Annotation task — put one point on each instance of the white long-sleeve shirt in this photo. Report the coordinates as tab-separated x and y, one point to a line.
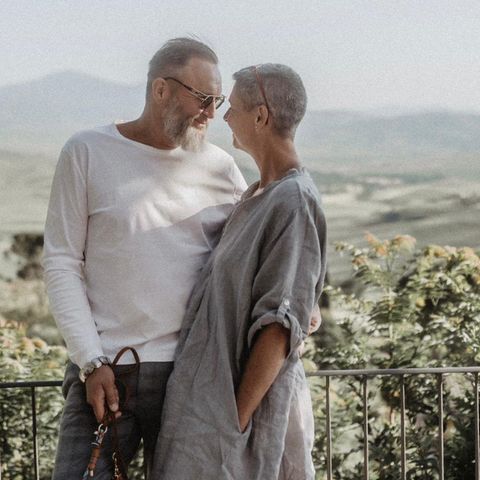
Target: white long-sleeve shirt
128	229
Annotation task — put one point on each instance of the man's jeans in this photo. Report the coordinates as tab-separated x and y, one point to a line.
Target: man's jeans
140	420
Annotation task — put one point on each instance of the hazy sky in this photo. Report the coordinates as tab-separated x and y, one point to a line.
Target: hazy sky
350	53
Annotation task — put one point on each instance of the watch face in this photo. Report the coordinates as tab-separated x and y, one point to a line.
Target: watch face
91	366
96	363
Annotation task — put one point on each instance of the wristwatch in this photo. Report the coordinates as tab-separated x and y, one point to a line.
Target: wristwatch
93	364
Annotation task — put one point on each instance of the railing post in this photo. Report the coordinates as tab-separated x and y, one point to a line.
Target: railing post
34	433
440	426
403	441
329	430
477	443
365	428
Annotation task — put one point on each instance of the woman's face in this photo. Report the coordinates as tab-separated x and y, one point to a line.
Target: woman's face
240	121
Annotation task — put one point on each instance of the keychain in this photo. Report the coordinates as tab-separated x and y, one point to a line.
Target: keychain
96	447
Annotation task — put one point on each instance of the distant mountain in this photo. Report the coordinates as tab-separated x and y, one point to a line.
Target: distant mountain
38	116
357	135
43	113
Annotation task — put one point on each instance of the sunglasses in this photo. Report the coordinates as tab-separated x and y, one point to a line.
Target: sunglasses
206	100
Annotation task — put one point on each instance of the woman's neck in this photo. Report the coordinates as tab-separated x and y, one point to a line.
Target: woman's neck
275	159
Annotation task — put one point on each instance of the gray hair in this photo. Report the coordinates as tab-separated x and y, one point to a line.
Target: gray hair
284	92
175	54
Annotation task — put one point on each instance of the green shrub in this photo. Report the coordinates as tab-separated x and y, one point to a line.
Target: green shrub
419	309
22	359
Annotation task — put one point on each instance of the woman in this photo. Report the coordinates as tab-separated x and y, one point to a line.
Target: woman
237	404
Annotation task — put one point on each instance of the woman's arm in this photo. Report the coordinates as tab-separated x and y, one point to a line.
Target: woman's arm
263	365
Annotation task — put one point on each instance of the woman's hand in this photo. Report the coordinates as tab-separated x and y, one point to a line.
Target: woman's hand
243	422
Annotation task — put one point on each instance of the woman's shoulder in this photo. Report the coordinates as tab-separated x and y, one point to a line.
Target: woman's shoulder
296	191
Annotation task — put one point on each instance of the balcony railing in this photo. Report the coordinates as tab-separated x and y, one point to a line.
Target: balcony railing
402	373
439	373
32	386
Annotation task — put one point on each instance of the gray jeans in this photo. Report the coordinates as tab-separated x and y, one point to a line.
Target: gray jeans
140	420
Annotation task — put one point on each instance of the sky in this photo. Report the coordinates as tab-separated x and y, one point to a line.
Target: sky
351	54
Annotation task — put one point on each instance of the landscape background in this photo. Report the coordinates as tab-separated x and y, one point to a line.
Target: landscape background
392	140
386	171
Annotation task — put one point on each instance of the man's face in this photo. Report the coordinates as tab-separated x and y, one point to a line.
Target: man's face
186	121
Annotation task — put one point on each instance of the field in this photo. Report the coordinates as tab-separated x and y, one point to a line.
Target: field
439	205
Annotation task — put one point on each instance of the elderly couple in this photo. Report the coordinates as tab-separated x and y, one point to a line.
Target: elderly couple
153	241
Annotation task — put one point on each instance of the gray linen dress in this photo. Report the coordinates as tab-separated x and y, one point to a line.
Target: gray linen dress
268	267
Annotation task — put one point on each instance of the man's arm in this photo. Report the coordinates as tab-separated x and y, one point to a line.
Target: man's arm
63	262
263	365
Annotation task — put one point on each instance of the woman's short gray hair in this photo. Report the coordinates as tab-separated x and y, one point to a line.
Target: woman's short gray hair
175	54
284	92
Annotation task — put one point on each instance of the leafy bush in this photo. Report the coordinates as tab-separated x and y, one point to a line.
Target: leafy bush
21	359
416	309
419	309
26	302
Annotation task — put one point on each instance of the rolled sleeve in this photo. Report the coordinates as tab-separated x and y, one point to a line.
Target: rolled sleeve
290	274
284	318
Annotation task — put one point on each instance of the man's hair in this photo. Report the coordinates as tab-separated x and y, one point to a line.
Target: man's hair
175	54
284	92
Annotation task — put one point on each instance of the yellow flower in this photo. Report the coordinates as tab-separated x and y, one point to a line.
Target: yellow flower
437	251
450	250
371	239
27	345
468	252
381	250
404	242
360	260
39	343
470	256
420	302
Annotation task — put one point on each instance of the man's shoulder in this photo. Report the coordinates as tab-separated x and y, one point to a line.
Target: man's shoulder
87	137
216	160
219	163
217	152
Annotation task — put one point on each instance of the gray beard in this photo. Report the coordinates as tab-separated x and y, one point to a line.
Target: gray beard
181	131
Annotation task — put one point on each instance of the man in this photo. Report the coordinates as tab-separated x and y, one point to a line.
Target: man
134	213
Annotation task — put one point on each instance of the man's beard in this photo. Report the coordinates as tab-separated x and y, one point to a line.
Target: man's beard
180	129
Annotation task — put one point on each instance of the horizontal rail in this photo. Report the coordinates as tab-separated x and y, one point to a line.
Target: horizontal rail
319	373
327	374
32	384
439	372
393	371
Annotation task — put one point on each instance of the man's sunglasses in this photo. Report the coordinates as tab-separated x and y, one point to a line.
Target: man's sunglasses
206	100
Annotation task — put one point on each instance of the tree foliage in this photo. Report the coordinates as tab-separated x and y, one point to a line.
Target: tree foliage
419	308
23	358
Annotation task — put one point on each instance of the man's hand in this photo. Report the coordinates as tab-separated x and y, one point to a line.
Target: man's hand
101	389
315	322
315	319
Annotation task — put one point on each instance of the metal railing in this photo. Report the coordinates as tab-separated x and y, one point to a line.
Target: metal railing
32	386
402	372
328	374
